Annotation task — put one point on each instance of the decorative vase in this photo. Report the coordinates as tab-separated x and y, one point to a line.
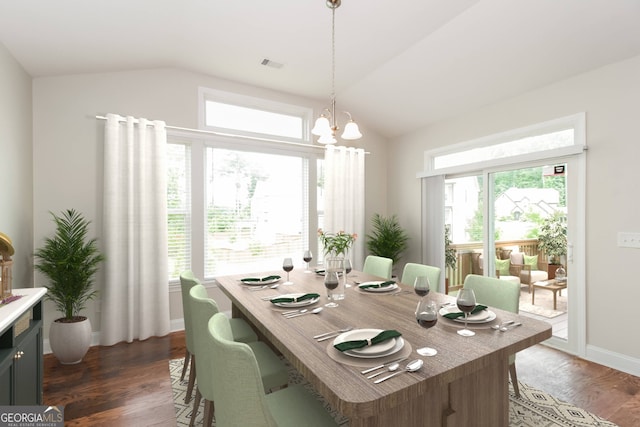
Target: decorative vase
70	341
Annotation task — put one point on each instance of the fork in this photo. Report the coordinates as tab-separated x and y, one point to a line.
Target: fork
328	335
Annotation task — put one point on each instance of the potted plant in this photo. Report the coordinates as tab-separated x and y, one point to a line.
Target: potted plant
552	239
388	238
450	255
70	262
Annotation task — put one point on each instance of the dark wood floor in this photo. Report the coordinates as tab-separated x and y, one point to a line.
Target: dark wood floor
128	384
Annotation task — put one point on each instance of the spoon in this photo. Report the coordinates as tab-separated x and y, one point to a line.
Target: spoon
391	368
411	367
303	312
501	325
506	328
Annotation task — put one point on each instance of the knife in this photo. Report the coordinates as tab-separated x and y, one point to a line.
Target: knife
366	371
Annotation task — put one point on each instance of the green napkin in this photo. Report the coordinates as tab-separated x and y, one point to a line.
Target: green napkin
298	299
381	337
259	279
378	285
479	307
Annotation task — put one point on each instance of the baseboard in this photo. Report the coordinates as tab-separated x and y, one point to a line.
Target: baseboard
613	360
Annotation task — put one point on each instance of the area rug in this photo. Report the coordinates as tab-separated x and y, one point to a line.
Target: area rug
539	310
534	408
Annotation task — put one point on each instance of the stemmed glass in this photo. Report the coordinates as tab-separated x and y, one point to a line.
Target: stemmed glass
307	257
331	282
427	317
421	286
466	302
287	265
347	270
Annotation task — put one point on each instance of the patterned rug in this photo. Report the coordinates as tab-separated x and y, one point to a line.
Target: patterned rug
539	310
534	408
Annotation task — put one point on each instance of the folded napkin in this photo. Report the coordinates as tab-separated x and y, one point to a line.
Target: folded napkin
298	299
478	308
381	337
259	279
378	285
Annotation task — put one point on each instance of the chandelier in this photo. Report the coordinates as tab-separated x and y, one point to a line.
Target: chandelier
326	126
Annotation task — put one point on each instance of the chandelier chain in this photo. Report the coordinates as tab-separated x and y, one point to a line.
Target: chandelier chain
333	52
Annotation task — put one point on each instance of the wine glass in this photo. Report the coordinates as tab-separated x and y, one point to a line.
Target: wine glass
421	286
307	257
347	270
333	268
331	282
466	302
287	265
427	317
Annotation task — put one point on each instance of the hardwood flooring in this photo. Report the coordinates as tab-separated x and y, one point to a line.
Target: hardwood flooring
128	384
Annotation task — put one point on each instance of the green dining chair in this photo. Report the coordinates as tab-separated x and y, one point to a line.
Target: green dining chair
241	329
272	369
500	294
239	395
378	266
412	270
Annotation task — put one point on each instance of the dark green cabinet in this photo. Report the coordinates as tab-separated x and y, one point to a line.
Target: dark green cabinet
21	362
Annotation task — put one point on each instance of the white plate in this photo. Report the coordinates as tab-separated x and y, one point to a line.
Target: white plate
260	282
383	289
483	316
295	304
364	334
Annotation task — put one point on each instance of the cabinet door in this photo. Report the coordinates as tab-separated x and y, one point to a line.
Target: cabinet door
6	377
28	369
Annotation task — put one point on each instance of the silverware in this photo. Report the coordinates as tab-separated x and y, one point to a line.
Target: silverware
338	331
286	313
260	288
366	371
412	366
506	328
335	335
496	327
269	298
302	313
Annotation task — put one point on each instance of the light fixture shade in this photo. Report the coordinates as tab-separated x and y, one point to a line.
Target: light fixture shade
351	131
321	127
327	139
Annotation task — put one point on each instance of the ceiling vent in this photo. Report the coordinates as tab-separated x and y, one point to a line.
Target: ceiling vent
269	63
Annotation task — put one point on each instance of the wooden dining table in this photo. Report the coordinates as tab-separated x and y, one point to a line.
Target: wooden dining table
464	384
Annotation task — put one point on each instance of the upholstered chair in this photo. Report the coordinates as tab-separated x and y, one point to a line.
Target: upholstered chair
234	376
378	266
273	371
412	270
500	294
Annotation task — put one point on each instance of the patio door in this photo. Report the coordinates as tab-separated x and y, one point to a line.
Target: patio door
499	212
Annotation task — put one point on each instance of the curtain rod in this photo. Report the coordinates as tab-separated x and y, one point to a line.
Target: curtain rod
210	132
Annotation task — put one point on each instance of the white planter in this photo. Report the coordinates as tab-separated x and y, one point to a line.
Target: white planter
70	341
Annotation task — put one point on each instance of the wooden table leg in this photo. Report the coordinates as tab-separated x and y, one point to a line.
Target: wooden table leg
555	293
533	295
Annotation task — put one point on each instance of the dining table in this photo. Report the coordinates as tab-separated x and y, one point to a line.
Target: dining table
464	384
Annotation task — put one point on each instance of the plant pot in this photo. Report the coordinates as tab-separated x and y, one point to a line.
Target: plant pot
70	341
551	270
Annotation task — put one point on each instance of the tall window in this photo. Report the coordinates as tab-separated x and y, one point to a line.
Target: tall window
242	199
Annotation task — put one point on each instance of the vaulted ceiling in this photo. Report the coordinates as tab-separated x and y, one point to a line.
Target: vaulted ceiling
400	65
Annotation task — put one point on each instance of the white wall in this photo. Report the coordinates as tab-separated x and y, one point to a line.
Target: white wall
610	98
68	142
16	184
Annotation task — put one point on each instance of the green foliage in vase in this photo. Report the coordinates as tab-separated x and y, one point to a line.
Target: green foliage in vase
70	262
336	244
552	238
450	258
388	239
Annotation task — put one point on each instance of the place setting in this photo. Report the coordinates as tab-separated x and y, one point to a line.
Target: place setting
466	311
360	347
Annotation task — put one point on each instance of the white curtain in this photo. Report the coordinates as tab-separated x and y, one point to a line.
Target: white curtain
344	196
135	298
433	224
